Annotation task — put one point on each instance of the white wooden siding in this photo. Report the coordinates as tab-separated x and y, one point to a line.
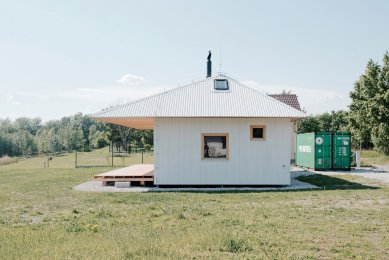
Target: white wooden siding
252	162
293	137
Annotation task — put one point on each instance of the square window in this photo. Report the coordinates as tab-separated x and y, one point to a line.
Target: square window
214	146
257	132
221	84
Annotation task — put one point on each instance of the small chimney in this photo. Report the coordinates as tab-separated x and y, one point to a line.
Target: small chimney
209	65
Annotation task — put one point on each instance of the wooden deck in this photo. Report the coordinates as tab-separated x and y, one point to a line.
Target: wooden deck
139	173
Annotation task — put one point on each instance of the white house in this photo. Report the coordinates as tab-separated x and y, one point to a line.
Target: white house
215	131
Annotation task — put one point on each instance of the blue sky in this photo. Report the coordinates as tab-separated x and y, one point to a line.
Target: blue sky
61	57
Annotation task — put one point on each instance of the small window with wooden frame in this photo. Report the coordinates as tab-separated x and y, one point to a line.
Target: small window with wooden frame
258	132
215	146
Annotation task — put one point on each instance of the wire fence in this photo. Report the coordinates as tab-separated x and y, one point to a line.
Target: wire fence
103	157
111	158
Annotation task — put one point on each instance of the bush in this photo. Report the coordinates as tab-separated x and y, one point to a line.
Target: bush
87	149
5	159
235	246
147	147
74	227
103	214
101	142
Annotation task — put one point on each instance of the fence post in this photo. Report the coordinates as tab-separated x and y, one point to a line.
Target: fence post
112	152
358	158
75	161
142	156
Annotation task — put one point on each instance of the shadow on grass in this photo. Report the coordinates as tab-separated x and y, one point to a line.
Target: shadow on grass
333	183
323	182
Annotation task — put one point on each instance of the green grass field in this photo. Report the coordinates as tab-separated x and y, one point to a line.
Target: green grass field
42	217
374	158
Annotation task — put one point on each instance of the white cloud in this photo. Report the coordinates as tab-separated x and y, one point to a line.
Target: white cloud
115	92
314	101
110	93
41	96
130	79
11	99
93	99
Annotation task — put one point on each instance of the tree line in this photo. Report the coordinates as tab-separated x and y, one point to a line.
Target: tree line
368	115
30	136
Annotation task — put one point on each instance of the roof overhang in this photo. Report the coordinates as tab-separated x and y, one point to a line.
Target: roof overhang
148	122
133	122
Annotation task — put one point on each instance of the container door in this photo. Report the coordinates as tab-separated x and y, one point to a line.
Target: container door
342	151
305	150
323	151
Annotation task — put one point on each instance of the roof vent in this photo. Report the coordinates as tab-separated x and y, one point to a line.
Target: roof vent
209	65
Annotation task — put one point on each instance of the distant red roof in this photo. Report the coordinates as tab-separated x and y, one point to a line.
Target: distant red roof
289	99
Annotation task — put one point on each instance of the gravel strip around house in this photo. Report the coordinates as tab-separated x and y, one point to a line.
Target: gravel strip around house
96	186
384	168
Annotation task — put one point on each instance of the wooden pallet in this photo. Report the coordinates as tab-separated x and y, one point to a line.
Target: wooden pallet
141	173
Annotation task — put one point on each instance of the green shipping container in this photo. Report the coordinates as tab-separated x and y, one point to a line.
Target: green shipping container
323	151
314	150
341	159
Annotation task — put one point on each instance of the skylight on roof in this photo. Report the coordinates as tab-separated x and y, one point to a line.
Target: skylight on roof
221	84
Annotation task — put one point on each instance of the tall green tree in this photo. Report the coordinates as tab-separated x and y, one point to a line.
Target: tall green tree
339	121
362	105
72	136
380	110
41	141
308	125
97	138
369	109
148	137
333	122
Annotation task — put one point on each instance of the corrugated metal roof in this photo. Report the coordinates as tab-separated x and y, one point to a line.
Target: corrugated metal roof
289	99
199	99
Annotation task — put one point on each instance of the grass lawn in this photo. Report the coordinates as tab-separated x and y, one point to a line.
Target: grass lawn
41	216
374	158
